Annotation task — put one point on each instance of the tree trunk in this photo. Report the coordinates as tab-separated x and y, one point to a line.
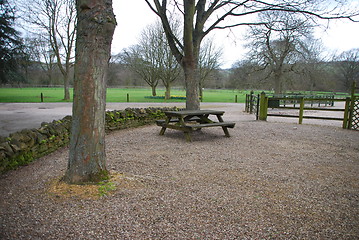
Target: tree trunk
190	58
278	82
168	91
96	25
192	96
67	86
154	90
200	91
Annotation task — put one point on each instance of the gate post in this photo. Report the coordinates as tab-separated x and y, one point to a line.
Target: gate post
301	110
263	107
251	102
346	113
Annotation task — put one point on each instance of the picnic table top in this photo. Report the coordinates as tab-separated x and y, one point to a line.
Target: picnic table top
193	112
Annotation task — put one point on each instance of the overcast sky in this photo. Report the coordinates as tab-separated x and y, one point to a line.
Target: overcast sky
133	16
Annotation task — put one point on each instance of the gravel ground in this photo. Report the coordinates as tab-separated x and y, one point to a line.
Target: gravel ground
269	180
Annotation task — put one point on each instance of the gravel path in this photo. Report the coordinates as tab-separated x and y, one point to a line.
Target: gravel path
270	180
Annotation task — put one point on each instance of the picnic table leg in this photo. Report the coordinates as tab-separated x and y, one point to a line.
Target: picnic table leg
163	129
188	136
226	132
185	131
225	129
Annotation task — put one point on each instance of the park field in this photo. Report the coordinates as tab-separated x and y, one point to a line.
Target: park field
33	95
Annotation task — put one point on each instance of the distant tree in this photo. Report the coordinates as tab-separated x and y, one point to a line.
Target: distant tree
11	47
348	67
54	20
278	43
144	64
169	69
119	74
309	69
87	157
247	74
41	54
152	59
209	61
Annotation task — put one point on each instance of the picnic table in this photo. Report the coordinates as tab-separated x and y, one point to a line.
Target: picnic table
189	120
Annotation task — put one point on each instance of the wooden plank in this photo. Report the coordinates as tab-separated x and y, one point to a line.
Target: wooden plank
282	115
193	112
218	124
324	118
161	122
319	109
308	117
175	120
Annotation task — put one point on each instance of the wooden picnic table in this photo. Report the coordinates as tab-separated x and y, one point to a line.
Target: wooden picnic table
189	120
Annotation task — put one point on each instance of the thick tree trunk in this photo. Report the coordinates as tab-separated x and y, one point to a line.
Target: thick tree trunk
190	58
192	86
96	25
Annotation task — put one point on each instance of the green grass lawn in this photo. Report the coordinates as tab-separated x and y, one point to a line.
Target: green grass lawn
29	95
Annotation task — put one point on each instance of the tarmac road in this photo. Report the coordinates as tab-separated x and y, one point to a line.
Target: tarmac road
17	116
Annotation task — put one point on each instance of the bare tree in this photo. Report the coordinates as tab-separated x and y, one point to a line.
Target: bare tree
152	59
169	69
41	53
208	62
310	70
87	158
142	61
348	67
56	21
278	44
200	17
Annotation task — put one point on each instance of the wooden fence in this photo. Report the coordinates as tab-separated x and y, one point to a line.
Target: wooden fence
259	104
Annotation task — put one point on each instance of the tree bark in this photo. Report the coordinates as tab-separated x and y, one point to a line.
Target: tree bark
168	91
96	25
192	86
67	86
190	58
153	87
278	81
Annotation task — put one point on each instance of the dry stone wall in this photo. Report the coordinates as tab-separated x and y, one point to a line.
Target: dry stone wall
22	147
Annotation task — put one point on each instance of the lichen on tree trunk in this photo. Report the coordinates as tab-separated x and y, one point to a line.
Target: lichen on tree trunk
96	25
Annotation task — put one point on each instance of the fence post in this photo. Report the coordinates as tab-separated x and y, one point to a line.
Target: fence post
246	104
257	107
42	97
263	105
128	97
346	113
301	110
251	103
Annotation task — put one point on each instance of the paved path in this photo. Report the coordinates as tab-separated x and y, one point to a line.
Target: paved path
18	116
